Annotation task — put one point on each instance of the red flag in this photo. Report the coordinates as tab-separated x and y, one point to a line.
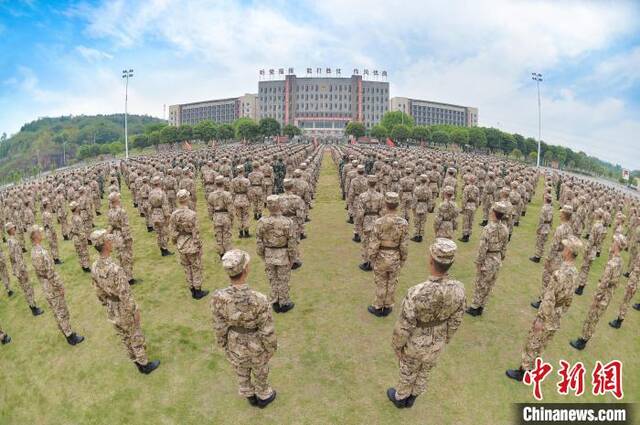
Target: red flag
187	146
353	140
390	143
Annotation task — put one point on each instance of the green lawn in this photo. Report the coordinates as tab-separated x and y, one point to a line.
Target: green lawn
334	360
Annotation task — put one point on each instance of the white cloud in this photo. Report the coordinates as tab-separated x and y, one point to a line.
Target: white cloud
92	55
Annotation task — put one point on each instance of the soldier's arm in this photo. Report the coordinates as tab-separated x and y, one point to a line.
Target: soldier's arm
291	242
359	211
482	249
266	330
172	230
102	296
220	326
548	301
455	321
405	324
259	241
404	243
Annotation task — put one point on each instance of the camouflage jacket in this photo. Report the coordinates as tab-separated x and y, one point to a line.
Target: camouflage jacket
557	296
113	289
563	231
220	207
45	268
493	242
546	219
369	206
276	243
184	231
390	234
119	223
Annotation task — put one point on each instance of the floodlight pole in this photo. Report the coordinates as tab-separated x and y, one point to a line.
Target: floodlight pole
537	77
126	75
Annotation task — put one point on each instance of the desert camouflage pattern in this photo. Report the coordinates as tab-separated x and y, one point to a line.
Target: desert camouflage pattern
276	245
220	209
186	237
20	269
446	220
545	222
78	234
596	238
119	228
470	199
369	207
602	296
491	252
51	286
160	213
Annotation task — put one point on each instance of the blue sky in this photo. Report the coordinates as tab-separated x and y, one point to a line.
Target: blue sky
66	58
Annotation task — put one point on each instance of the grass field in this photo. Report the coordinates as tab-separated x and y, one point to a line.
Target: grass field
334	360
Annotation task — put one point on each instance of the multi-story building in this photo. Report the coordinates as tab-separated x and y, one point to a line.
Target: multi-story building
426	112
323	106
218	111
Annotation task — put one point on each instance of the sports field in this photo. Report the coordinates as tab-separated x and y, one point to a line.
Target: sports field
334	360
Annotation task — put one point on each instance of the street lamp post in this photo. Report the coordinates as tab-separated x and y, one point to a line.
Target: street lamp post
537	77
126	75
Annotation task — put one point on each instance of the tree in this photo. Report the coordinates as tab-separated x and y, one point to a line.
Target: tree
493	136
269	127
477	138
440	137
421	133
226	132
379	132
520	143
169	134
205	130
531	145
400	133
247	129
291	131
533	157
185	133
460	136
516	154
140	141
355	129
392	118
507	142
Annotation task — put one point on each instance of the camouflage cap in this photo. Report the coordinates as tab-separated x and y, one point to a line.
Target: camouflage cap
273	202
359	168
288	183
239	168
297	172
599	212
73	205
182	195
219	180
620	240
443	250
451	170
567	209
391	198
35	229
500	207
9	225
424	178
99	236
45	201
113	196
448	190
155	180
573	243
372	179
235	261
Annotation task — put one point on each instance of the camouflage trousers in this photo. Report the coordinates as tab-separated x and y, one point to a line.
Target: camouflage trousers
253	379
633	256
534	346
2	334
256	199
601	300
431	203
87	221
172	201
583	276
366	250
58	307
23	279
242	213
145	210
132	337
419	221
445	230
279	277
267	189
162	233
551	264
4	275
467	221
630	291
52	237
80	244
386	269
192	265
64	225
486	207
486	276
406	204
124	251
541	239
223	238
414	373
97	201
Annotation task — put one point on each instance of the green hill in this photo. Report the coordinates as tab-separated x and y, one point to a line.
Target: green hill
49	143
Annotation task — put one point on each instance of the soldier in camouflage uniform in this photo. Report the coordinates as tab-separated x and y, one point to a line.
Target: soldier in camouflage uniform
160	212
122	240
244	329
276	245
114	292
630	291
407	185
4	273
20	268
220	208
554	258
544	227
51	285
597	234
293	208
489	195
603	294
470	198
491	253
256	197
446	219
50	230
239	188
556	300
429	317
421	202
357	187
186	237
79	236
170	185
279	172
634	245
61	212
368	209
388	250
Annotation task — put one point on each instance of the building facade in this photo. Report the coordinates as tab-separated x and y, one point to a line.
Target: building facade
322	106
221	111
426	112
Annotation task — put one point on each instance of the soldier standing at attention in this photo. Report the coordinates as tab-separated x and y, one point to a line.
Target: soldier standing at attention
451	181
544	227
186	237
597	234
122	239
488	197
630	291
554	258
221	212
160	212
421	201
368	209
239	188
51	285
20	269
50	230
407	185
606	287
79	236
170	184
293	208
4	337
276	245
491	253
255	191
4	274
244	329
470	197
429	316
279	172
61	212
114	293
389	250
446	220
556	300
357	187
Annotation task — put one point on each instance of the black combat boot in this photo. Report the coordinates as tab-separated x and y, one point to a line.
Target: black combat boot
276	307
98	213
86	269
417	238
484	223
135	205
36	311
579	290
356	238
535	304
303	236
74	339
524	213
391	395
509	237
10	293
197	294
89	242
246	233
350	221
617	323
57	261
241	234
65	237
366	267
134	281
626	274
378	312
24	250
410	400
165	252
578	344
598	254
286	307
296	265
464	238
517	374
5	339
586	236
253	400
636	306
475	311
149	367
264	403
149	229
386	311
535	259
517	224
307	220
